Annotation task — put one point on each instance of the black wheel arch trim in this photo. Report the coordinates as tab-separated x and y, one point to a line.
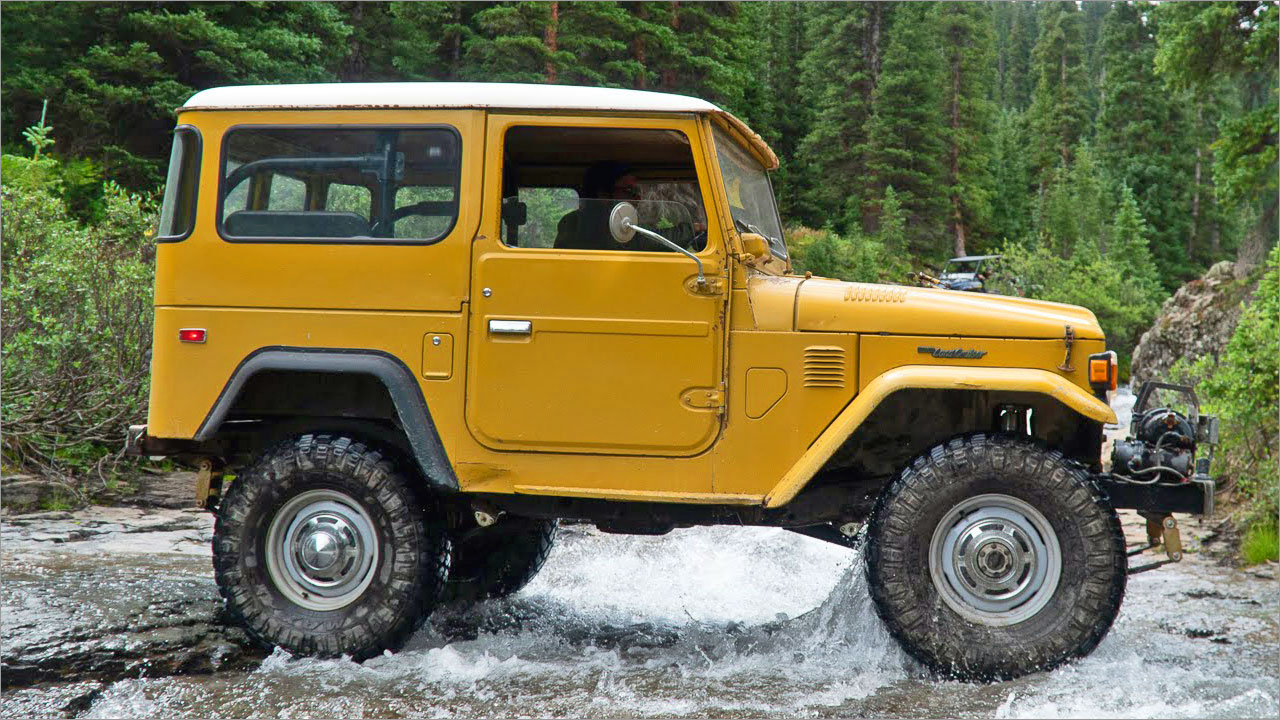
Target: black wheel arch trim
406	395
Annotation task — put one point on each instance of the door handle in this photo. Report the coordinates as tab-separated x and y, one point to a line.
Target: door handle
510	327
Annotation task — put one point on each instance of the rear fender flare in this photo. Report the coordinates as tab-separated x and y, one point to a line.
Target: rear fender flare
399	381
937	377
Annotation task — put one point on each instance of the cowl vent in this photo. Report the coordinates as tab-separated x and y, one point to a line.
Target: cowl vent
824	366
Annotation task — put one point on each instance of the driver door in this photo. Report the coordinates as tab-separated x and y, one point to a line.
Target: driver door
602	351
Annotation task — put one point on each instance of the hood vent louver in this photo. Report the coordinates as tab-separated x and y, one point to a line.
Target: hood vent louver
824	366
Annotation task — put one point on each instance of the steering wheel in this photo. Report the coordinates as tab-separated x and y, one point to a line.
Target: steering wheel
420	208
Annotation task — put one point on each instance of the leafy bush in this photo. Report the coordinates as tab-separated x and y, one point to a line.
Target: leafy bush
1241	387
77	321
854	257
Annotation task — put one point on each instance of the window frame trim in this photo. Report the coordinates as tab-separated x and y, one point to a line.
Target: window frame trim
195	202
277	240
584	124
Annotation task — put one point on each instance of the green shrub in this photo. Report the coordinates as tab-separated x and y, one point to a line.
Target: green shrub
854	257
77	303
1241	387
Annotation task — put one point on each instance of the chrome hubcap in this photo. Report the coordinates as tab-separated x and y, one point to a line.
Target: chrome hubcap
995	559
321	550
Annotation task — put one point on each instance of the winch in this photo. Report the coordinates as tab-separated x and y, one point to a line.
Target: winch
1162	443
1160	454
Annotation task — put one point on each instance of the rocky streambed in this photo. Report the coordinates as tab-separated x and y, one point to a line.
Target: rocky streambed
112	612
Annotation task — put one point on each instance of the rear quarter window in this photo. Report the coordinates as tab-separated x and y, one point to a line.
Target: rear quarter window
339	184
178	209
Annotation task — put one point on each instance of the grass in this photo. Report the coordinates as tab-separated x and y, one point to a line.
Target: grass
58	500
1261	543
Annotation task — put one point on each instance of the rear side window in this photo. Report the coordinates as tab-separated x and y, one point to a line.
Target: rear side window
178	211
339	184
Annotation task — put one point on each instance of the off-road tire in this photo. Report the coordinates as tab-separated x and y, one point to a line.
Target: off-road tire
404	583
1074	618
497	561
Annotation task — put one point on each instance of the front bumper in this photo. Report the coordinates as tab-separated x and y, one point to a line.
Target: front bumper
1194	497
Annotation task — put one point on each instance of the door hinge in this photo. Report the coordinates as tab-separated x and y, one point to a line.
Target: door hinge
703	399
713	285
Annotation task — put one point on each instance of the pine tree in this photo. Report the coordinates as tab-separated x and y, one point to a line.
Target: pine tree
510	44
838	77
591	45
1204	43
967	49
1016	29
893	230
1058	112
905	133
1011	203
1145	135
1088	196
1129	246
781	116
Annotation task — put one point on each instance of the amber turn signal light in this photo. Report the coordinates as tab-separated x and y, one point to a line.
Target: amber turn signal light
1102	370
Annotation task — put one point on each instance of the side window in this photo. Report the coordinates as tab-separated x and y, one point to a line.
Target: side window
361	184
560	184
178	210
348	198
543	209
425	210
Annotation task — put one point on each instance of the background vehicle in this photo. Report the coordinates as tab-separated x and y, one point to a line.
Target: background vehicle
422	322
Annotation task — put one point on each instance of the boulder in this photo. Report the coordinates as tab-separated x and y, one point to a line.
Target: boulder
1197	321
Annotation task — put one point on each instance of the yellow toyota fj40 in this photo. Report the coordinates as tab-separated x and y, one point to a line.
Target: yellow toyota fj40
401	329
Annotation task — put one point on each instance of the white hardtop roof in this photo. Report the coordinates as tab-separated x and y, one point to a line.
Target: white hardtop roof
443	95
420	95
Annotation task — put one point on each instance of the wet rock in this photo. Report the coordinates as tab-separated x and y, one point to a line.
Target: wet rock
110	593
67	700
1195	322
166	490
27	493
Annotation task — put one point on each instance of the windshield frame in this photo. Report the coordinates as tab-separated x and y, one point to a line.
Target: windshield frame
723	140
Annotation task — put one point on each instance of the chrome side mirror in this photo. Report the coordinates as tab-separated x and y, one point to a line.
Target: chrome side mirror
623	227
622	221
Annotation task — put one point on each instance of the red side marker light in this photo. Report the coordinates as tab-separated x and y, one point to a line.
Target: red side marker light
192	335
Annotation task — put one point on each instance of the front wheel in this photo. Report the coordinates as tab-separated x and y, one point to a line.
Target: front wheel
322	548
990	557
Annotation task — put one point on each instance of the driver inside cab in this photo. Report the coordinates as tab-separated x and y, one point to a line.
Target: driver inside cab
587	228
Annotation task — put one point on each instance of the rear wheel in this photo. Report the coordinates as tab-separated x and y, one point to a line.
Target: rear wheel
990	557
321	548
497	561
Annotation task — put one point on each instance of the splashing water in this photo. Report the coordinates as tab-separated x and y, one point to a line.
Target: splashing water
740	622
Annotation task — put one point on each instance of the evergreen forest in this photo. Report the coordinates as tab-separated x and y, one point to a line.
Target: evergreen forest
1112	151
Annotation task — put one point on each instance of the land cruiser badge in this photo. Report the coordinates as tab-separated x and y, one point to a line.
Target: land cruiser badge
958	353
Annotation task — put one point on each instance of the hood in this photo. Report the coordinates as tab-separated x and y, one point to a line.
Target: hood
824	305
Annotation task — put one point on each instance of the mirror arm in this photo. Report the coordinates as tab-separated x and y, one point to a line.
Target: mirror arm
626	223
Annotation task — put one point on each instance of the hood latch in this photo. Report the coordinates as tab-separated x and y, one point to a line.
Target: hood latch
1069	339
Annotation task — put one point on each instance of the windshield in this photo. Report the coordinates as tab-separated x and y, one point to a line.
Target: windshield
750	194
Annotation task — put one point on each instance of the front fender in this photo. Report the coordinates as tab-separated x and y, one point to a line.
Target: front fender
936	377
